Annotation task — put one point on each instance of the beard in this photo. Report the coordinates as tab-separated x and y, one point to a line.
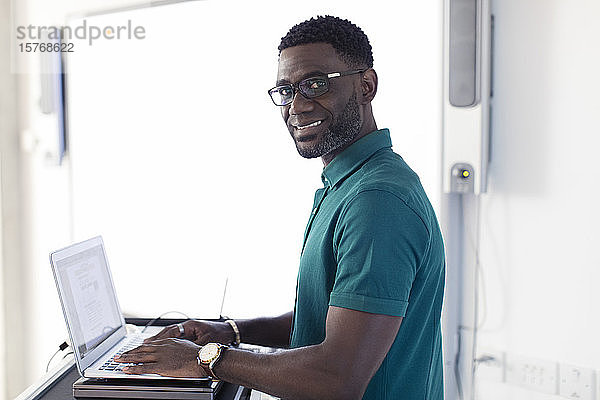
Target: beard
342	131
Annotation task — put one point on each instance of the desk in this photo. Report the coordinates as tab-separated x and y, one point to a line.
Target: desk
57	384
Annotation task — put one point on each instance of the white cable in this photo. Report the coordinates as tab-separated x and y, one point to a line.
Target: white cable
476	292
162	315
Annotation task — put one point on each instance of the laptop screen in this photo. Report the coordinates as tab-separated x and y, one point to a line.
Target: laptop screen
89	298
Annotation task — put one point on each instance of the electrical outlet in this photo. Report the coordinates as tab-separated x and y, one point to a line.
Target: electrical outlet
490	364
533	374
577	383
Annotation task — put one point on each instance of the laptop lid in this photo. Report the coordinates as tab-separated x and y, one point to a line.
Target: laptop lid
88	298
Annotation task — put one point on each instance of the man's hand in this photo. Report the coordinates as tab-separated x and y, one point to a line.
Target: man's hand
167	357
199	332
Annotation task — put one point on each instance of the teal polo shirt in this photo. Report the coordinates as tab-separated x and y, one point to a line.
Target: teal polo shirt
373	244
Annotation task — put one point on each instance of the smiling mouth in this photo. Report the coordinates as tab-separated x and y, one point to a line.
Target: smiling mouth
300	127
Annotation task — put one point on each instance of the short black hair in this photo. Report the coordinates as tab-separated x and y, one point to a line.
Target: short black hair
349	41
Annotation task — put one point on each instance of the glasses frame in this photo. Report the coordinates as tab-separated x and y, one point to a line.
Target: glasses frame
296	86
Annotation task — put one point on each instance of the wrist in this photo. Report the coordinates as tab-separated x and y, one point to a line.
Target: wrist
236	332
233	331
220	365
209	356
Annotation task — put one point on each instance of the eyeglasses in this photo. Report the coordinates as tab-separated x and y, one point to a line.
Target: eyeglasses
315	86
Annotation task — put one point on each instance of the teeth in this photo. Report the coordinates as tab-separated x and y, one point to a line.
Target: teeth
309	125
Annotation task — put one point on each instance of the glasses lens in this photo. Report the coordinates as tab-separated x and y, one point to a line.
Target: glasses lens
282	95
313	87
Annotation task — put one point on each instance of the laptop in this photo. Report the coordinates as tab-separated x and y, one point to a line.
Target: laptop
94	320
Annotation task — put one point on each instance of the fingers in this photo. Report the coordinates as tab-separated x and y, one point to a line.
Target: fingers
167	357
136	358
145	348
140	369
171	331
141	353
137	354
151	338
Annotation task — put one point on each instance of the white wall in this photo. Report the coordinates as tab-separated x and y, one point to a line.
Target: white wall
4	17
540	218
9	208
35	203
408	103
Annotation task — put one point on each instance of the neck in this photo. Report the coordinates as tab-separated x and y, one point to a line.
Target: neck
368	127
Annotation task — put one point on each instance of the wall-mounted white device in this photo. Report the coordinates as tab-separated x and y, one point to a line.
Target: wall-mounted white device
467	92
49	133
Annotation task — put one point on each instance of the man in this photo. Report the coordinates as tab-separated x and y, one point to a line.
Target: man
366	322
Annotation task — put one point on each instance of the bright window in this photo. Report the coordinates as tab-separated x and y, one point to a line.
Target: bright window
180	160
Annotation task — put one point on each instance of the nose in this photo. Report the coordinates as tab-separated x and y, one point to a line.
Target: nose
301	104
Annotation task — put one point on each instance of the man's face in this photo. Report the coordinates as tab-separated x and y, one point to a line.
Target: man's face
326	123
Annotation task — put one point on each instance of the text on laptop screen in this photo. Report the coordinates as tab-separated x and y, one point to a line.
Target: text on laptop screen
89	298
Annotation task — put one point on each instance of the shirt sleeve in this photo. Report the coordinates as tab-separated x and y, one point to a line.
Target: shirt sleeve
379	242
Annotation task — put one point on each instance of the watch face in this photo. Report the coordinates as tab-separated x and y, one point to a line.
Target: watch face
208	352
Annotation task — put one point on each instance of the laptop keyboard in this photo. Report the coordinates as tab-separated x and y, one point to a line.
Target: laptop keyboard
111	365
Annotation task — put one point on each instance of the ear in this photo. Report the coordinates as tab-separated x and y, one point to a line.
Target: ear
369	85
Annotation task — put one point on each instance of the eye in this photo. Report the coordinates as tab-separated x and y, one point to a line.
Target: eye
316	84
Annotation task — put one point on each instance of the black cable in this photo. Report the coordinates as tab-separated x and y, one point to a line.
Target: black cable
61	347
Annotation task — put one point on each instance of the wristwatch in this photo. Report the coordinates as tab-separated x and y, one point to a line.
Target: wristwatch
209	355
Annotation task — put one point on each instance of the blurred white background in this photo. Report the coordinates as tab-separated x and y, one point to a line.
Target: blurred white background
180	160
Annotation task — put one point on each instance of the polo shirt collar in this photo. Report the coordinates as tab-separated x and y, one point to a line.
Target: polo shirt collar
355	155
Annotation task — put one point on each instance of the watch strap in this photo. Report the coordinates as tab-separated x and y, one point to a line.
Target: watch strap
207	370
